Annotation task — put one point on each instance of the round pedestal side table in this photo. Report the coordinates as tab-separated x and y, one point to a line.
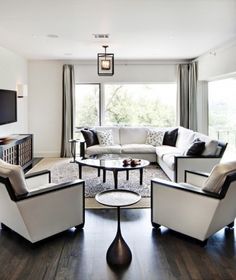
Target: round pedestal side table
119	253
73	143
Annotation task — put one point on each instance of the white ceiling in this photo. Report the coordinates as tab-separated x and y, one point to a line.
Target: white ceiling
139	29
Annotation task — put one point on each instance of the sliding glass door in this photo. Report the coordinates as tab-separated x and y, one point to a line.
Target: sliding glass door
222	111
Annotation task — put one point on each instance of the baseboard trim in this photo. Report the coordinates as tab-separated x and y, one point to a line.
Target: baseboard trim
47	154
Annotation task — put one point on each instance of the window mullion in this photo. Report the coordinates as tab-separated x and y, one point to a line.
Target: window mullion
102	104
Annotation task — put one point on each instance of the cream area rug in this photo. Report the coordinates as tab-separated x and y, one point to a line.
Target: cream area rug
62	170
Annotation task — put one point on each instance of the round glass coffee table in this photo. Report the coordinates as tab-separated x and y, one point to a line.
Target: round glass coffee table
119	253
114	165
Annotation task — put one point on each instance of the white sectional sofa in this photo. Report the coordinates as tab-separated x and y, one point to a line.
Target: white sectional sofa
132	142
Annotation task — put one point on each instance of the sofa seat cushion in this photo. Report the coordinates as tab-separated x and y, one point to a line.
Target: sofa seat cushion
164	150
169	160
133	135
138	149
98	149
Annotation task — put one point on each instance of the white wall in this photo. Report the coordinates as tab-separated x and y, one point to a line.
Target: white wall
45	100
128	73
45	106
13	71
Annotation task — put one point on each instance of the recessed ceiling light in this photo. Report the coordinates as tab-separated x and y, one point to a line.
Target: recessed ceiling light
54	36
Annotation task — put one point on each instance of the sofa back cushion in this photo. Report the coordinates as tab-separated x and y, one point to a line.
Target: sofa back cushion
133	135
115	132
185	138
15	175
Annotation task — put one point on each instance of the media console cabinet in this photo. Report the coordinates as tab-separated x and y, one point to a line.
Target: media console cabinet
18	149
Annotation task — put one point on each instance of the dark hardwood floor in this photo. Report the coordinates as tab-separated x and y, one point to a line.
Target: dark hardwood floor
81	255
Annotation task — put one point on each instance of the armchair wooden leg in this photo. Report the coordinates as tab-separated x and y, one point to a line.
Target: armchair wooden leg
231	225
4	227
203	243
155	225
79	227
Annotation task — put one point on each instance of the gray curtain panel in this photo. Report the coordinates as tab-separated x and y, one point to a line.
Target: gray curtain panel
193	77
187	95
68	111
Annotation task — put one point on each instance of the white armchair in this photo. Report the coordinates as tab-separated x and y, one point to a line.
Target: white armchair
201	206
44	209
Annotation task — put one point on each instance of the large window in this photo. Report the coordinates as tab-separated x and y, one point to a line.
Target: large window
140	104
126	104
222	113
87	100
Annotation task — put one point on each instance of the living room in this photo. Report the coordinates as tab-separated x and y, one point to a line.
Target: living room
34	46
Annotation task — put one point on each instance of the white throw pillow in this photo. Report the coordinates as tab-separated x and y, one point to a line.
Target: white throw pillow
218	175
155	137
105	138
15	175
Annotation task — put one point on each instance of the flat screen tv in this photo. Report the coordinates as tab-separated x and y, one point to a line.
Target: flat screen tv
8	106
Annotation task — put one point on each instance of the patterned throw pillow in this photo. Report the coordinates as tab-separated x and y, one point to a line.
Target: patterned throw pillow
155	137
105	138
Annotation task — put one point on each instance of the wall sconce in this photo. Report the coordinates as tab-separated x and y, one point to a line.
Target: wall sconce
22	90
105	63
